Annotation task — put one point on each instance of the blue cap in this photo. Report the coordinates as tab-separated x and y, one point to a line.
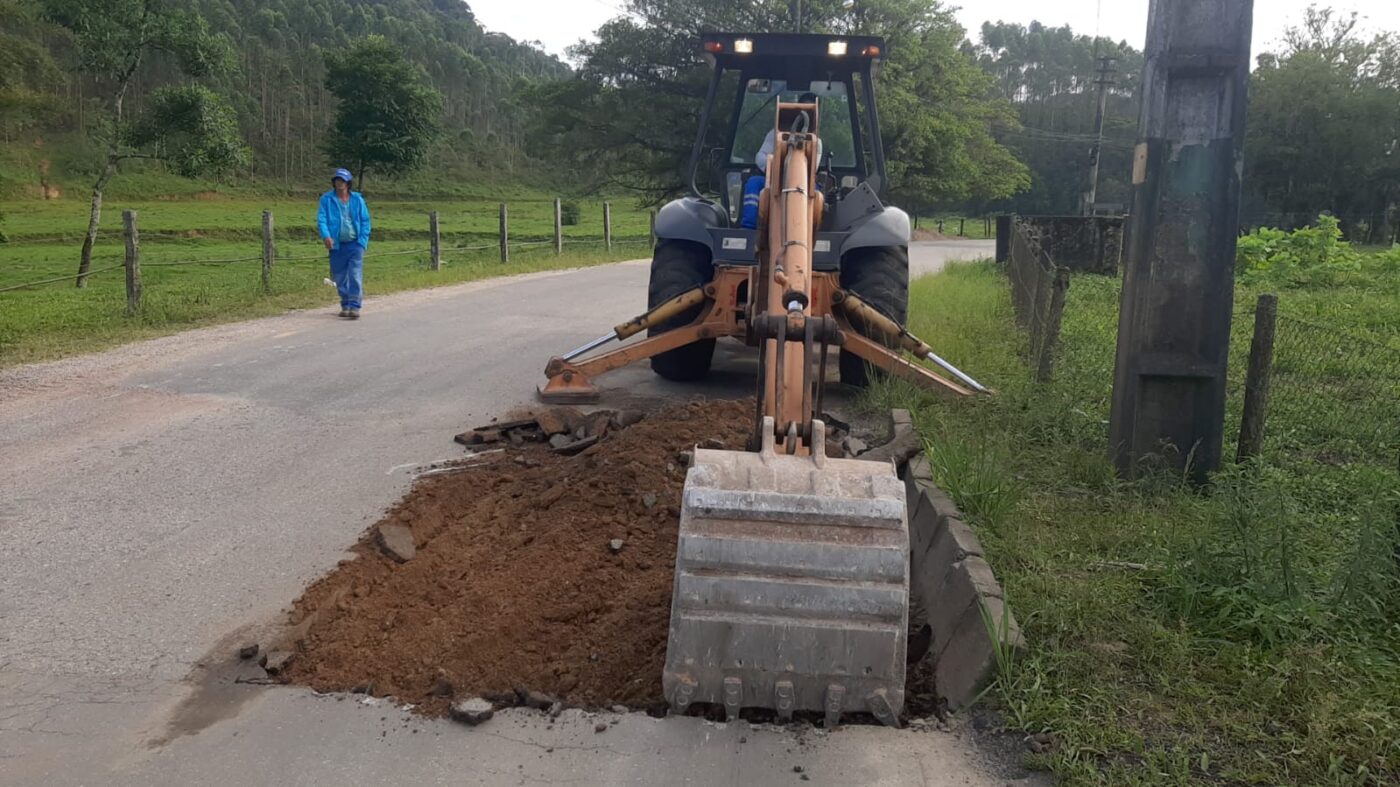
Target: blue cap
343	174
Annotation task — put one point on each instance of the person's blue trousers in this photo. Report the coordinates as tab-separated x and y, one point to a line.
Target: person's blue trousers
748	216
348	273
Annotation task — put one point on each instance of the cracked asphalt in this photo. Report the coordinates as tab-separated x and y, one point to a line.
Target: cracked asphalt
164	501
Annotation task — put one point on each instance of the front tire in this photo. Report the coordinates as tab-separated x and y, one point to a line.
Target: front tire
678	266
880	276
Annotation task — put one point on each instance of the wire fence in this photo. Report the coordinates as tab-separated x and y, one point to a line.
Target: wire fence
1039	289
270	259
1332	395
1331	392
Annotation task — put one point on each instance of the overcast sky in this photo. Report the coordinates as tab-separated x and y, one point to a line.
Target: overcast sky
556	24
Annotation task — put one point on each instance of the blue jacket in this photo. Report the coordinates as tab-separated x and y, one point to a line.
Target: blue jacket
328	218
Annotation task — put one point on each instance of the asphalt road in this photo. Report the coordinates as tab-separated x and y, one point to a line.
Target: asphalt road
164	501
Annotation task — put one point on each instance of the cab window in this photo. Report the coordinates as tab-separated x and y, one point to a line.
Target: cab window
756	117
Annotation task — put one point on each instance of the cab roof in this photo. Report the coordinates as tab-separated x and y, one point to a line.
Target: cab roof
773	53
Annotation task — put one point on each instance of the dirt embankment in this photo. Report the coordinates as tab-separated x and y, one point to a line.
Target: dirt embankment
515	583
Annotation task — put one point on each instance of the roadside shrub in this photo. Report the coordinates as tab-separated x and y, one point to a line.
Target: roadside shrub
1309	256
569	213
1388	261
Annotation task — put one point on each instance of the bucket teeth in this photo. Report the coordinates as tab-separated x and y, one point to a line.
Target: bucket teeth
792	586
835	701
879	704
733	698
682	694
783	702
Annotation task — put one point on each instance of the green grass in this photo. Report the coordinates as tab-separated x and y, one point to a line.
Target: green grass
1248	633
975	227
56	320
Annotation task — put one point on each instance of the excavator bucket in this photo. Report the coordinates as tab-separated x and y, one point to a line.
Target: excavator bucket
791	586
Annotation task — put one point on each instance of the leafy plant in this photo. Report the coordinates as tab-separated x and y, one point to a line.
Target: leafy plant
1311	255
113	38
569	213
387	116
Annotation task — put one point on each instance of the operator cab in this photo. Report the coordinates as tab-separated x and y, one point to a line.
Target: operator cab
764	70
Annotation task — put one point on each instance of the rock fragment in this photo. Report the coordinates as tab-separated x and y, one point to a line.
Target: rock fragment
555	420
535	699
625	418
471	712
397	542
277	661
576	446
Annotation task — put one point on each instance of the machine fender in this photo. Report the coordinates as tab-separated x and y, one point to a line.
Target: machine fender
889	227
688	219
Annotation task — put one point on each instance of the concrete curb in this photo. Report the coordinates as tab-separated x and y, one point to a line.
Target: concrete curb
966	608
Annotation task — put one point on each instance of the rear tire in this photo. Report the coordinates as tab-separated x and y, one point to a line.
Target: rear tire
678	266
880	276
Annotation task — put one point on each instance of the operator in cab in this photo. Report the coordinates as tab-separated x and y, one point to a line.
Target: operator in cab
753	189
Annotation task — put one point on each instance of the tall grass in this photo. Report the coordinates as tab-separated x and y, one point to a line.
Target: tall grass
1248	632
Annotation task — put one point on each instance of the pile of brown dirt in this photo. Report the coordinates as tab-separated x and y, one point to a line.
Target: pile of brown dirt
514	584
923	234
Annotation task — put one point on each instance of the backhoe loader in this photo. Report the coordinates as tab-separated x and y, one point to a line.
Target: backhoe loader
792	568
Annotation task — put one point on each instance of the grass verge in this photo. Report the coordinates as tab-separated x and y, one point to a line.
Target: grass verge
56	319
1247	633
59	320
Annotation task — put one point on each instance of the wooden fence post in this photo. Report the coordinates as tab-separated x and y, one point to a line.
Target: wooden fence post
607	226
558	226
652	229
269	251
434	241
962	228
505	235
132	263
940	226
1256	383
1050	338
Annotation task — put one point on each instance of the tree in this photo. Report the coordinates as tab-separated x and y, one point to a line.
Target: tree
279	93
1048	74
387	116
1339	155
28	74
113	38
628	117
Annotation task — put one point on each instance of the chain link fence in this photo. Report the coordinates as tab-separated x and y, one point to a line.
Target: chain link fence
1331	394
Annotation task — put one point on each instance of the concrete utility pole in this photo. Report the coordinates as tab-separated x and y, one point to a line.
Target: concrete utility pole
1178	274
1106	71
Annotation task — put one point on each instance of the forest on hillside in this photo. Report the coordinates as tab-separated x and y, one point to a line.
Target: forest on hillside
999	119
275	79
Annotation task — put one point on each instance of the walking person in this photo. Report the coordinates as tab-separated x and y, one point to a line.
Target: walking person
343	219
